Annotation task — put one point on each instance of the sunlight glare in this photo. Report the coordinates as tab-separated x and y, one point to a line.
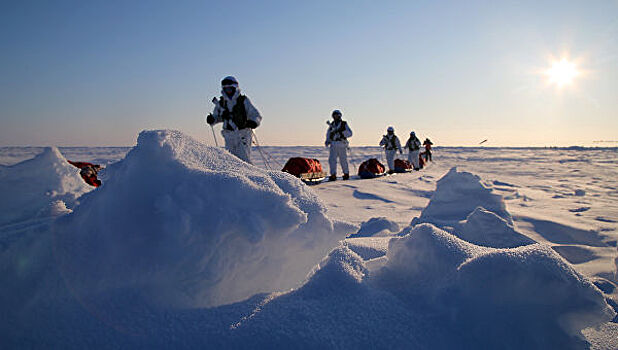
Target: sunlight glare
562	73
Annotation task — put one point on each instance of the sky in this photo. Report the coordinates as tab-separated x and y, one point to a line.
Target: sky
96	73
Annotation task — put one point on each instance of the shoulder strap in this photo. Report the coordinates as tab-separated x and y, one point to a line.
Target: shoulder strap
392	142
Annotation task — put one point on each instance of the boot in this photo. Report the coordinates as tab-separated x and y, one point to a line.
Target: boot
332	178
346	176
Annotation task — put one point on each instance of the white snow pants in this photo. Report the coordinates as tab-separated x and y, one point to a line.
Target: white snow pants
338	149
390	158
238	142
413	158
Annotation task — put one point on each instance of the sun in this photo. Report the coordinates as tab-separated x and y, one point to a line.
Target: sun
562	73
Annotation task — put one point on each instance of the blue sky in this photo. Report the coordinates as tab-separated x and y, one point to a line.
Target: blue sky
96	73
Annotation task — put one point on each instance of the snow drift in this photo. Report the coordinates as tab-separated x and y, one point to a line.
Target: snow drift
179	223
434	291
376	226
467	208
485	228
457	195
178	226
41	187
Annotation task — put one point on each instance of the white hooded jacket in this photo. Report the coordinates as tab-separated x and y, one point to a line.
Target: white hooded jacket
333	135
391	143
229	103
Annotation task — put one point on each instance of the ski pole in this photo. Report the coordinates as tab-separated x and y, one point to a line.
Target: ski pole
214	100
351	157
213	135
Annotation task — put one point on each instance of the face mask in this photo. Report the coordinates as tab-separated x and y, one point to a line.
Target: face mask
229	90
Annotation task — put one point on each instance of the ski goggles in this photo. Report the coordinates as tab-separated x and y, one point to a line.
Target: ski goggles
229	89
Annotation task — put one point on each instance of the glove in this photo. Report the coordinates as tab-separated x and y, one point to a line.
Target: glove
251	124
210	119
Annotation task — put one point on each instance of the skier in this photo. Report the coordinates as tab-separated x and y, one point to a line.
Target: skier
427	143
413	145
238	116
391	144
337	139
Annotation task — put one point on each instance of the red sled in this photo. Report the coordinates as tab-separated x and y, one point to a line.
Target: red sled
371	168
307	169
88	172
402	166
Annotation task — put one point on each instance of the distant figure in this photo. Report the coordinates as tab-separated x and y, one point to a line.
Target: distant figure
391	144
413	145
337	139
238	116
88	172
427	143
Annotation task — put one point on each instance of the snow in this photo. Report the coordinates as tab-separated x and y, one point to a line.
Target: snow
376	226
457	195
41	187
184	245
194	226
434	291
485	228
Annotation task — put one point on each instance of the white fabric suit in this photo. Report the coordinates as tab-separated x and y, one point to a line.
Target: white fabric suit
391	145
237	141
413	145
337	138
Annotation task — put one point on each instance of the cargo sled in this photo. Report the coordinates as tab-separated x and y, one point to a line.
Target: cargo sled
402	166
307	169
88	172
371	168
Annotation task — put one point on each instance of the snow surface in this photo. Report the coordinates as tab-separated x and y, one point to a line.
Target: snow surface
485	228
376	226
39	188
434	291
457	195
179	244
194	226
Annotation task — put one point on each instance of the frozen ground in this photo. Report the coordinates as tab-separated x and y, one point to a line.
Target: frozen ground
378	290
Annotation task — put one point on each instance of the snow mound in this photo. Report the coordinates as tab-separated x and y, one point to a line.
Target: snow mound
179	223
457	195
525	297
487	229
368	247
376	226
32	189
434	291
